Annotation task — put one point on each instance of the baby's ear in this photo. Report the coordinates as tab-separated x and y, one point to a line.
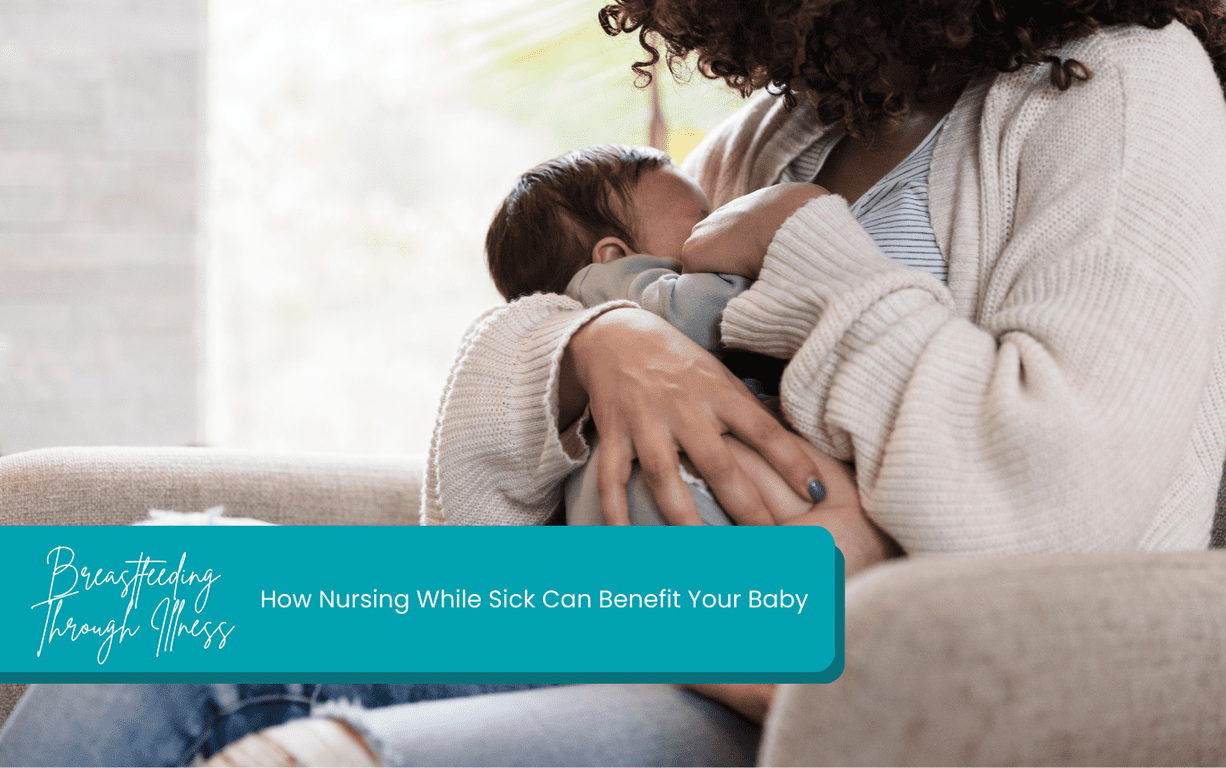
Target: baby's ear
609	249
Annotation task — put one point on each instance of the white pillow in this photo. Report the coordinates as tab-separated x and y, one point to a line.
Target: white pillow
211	516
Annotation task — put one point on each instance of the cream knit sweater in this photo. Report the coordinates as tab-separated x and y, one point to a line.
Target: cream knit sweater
1066	391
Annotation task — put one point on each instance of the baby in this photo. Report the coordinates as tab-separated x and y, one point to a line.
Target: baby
608	222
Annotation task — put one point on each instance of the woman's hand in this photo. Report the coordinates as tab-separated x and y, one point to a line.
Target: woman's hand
734	238
858	538
655	394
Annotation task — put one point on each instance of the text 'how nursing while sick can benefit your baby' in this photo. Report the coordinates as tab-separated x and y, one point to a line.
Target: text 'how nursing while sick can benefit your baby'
519	598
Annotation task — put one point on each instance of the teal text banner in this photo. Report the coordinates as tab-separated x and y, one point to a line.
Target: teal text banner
420	604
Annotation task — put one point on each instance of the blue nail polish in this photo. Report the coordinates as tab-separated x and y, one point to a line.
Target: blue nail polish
817	491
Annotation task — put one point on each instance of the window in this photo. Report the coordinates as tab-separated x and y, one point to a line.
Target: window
357	150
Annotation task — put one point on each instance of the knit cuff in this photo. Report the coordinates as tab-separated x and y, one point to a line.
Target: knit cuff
497	433
820	253
566	449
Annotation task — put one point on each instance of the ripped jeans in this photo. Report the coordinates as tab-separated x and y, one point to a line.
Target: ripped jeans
418	724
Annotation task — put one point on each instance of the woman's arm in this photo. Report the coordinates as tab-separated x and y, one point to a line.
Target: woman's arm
501	446
1064	405
498	456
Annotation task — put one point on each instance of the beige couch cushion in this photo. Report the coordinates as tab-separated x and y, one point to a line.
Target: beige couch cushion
1079	659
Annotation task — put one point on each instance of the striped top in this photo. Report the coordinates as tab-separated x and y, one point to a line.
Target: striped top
895	211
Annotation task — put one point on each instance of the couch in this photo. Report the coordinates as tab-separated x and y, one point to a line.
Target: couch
1075	659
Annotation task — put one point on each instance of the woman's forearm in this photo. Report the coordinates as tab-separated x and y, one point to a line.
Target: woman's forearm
862	543
507	470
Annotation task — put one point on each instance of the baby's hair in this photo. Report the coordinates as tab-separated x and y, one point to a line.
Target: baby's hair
544	232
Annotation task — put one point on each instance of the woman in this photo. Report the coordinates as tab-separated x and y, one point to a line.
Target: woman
1059	393
1055	395
1062	390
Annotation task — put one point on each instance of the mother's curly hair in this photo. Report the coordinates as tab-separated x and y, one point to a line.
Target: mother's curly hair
842	51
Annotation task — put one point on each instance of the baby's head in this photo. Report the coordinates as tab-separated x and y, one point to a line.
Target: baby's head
591	205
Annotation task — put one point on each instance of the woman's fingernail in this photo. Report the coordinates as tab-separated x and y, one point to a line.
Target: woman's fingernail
817	491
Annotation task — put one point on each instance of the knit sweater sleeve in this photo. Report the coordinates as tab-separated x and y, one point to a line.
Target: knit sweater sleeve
497	457
1053	419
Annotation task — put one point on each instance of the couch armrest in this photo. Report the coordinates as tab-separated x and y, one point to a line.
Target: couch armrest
1116	659
117	486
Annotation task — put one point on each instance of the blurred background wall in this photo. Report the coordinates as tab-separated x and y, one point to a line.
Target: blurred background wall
100	174
274	240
